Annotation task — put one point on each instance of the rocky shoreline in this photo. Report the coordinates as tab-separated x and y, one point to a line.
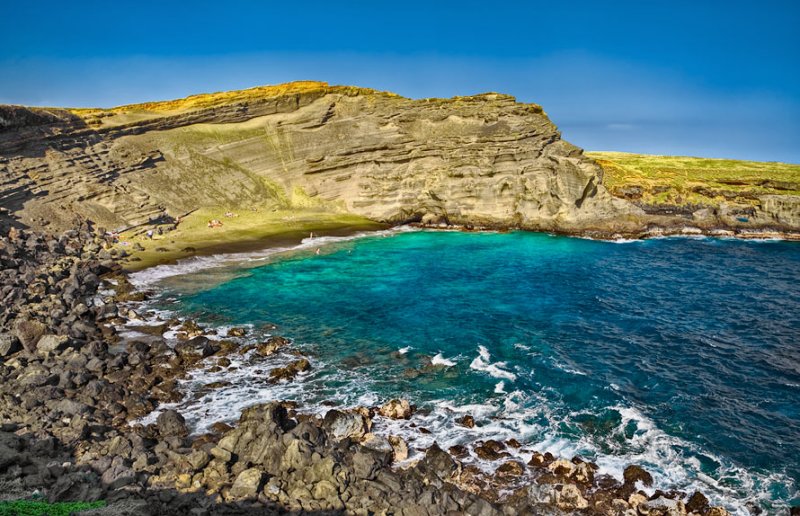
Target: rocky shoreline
72	387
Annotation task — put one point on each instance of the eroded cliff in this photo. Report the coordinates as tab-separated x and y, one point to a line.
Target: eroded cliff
485	159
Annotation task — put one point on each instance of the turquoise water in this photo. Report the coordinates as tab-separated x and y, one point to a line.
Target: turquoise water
680	354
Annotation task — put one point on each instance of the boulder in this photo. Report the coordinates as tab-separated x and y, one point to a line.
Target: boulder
171	424
29	332
9	344
697	503
633	474
662	506
342	425
438	463
52	343
237	332
195	349
288	372
466	421
396	409
271	345
510	469
399	448
569	498
491	450
247	484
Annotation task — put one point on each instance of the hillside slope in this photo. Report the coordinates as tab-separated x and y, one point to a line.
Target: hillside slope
709	192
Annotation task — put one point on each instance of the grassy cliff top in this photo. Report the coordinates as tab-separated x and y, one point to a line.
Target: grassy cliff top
681	180
209	100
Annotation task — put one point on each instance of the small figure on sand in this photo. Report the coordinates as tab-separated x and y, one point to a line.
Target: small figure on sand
149	234
317	251
311	235
214	223
230	214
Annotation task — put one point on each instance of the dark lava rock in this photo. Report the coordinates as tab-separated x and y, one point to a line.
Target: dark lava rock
459	451
634	474
271	345
466	421
195	349
171	423
697	503
510	469
9	344
491	450
237	332
29	332
290	371
438	463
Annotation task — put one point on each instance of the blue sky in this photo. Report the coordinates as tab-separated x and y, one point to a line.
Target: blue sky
713	78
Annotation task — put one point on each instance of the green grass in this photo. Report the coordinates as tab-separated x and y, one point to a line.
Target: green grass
40	508
679	180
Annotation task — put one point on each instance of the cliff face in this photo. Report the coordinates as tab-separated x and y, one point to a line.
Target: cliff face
484	159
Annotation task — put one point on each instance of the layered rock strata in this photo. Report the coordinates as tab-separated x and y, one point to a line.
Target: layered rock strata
483	160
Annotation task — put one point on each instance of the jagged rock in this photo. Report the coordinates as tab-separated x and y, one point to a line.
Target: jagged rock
396	409
29	332
196	348
510	469
237	332
662	506
697	503
633	474
51	343
271	345
466	421
569	498
171	423
439	463
342	425
247	484
491	450
9	344
399	448
288	372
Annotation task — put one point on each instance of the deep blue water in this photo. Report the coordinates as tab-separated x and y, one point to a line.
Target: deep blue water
682	354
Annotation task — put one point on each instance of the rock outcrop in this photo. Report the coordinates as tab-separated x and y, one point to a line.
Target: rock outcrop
483	160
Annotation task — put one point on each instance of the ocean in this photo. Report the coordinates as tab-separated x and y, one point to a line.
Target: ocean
678	354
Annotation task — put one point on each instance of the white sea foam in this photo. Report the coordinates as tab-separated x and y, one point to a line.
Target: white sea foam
500	387
404	350
483	363
439	359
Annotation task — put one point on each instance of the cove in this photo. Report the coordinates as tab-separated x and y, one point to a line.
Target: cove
679	354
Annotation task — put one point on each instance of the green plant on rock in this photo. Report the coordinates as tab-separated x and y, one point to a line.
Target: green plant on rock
41	508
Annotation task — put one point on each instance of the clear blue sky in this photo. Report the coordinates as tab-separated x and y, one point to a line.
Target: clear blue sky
709	78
